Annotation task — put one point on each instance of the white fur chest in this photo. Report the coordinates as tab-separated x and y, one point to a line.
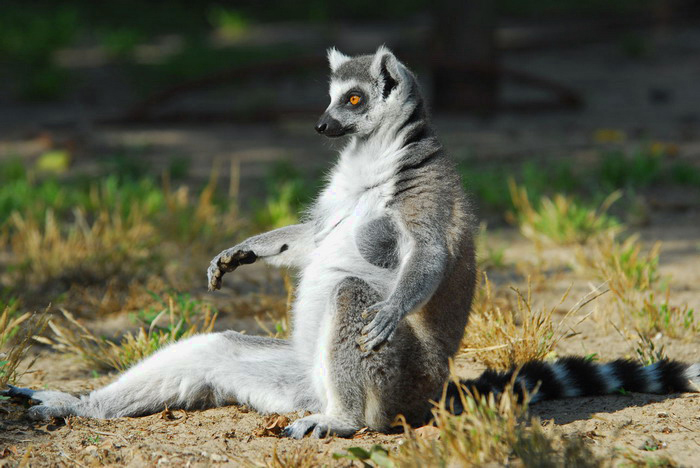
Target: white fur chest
360	186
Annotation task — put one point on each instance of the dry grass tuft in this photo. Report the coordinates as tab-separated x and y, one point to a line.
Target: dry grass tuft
634	460
506	332
562	219
647	351
198	219
622	265
184	318
117	233
96	300
654	313
16	332
491	430
633	279
81	251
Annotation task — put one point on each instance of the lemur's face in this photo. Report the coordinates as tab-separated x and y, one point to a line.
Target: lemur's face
364	92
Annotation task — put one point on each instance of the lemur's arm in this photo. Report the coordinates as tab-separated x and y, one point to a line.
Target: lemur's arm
420	274
287	246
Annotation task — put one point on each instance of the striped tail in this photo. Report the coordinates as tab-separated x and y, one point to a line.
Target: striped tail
578	376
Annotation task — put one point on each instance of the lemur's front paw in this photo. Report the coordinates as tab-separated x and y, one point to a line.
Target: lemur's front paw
52	404
382	326
227	261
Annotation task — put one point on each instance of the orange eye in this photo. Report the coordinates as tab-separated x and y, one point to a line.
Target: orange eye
354	99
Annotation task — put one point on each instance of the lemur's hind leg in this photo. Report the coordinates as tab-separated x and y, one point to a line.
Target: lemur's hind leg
203	371
364	388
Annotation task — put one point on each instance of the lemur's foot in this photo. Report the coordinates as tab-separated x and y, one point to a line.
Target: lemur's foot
52	404
227	261
319	425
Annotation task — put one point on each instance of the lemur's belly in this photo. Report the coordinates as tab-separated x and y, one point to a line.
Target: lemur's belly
364	250
359	250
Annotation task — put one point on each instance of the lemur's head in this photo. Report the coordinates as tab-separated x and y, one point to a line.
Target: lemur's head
366	91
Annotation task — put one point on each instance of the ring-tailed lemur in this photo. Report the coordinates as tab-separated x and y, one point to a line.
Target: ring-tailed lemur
387	273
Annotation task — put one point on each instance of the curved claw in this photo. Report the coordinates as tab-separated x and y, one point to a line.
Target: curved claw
213	278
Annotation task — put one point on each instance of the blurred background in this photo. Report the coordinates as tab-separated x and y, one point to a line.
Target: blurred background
179	85
138	139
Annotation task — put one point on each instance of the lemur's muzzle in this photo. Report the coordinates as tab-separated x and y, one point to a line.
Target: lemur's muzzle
329	126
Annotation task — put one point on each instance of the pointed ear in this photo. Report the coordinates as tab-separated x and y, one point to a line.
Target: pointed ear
387	69
336	58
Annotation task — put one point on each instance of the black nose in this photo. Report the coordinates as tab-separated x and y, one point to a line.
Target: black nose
330	127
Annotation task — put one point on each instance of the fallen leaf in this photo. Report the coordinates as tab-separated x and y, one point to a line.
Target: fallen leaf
167	414
8	451
360	433
272	426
